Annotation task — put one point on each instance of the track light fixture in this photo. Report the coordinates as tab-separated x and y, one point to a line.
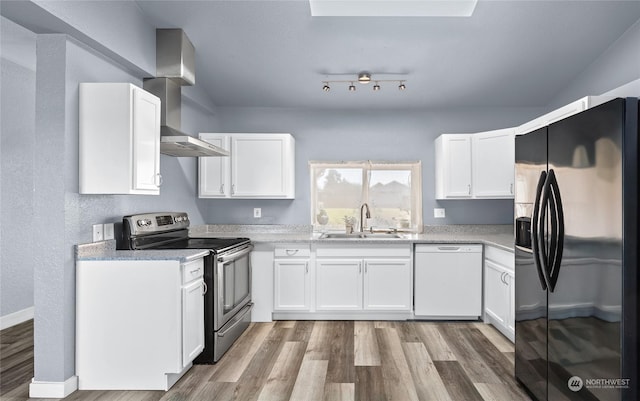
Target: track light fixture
364	78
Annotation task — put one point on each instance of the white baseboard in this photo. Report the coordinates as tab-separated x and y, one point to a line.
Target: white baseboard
15	318
38	389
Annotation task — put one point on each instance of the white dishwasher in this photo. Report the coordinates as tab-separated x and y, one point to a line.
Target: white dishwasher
448	281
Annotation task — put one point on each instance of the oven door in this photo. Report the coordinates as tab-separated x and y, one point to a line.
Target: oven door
233	284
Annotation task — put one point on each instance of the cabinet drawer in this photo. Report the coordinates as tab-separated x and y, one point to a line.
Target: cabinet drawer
192	270
499	256
293	251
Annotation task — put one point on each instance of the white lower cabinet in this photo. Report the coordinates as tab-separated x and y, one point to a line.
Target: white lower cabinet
364	278
499	290
192	322
387	284
339	284
139	323
291	278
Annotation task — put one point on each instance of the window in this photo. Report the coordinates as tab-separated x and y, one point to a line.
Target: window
393	192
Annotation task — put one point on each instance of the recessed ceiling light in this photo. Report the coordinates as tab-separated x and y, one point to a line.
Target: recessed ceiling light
392	8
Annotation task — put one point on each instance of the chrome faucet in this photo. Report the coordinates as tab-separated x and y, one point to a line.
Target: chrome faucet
367	215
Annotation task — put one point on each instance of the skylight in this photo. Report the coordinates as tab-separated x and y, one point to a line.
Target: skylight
392	8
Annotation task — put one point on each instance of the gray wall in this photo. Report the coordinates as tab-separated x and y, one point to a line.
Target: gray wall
17	117
395	135
618	65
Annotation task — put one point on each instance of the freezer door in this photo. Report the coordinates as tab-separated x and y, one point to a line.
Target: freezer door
585	297
530	291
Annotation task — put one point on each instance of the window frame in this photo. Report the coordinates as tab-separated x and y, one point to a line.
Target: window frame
415	168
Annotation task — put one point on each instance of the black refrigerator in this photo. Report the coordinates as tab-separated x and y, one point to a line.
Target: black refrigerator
576	256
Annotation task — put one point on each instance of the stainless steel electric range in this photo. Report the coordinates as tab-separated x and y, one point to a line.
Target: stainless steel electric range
227	274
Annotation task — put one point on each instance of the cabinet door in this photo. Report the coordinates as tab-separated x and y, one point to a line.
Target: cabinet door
338	284
387	284
457	166
146	141
291	279
493	156
496	295
261	166
213	172
192	321
511	316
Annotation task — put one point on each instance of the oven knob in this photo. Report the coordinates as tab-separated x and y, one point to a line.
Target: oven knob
178	219
144	223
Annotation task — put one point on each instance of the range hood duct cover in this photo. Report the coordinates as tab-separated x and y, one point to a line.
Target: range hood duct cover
175	59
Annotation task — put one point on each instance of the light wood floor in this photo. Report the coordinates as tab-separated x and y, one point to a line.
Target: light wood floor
337	360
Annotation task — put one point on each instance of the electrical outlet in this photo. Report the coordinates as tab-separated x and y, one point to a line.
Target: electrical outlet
107	231
438	213
97	232
257	212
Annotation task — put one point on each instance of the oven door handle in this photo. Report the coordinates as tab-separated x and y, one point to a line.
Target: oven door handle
232	256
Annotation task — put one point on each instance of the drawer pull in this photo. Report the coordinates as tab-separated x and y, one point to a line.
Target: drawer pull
291	252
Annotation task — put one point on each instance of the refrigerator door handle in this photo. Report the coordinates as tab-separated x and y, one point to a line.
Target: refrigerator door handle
534	232
558	231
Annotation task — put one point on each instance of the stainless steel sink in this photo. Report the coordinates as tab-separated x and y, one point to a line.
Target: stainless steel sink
359	235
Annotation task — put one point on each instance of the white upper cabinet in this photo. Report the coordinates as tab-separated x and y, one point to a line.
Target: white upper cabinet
213	172
261	166
453	166
470	166
493	160
119	142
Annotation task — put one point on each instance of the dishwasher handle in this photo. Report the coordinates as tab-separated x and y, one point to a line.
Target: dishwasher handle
448	248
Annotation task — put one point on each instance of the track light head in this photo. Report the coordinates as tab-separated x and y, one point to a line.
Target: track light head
352	87
376	87
364	77
326	87
402	86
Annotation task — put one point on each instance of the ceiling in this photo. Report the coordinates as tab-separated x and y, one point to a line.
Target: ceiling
509	53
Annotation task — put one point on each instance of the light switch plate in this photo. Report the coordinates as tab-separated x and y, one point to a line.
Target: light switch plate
257	212
108	231
438	213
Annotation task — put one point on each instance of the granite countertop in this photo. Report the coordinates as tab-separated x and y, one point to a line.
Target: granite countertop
500	236
106	250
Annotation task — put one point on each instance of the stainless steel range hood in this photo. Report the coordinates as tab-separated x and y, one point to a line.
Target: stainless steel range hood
175	67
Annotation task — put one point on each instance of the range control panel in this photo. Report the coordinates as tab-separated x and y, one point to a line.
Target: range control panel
148	223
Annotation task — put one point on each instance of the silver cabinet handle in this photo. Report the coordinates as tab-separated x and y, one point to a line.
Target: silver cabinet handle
359	268
291	252
511	188
158	179
205	289
469	188
194	271
233	189
222	188
306	267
